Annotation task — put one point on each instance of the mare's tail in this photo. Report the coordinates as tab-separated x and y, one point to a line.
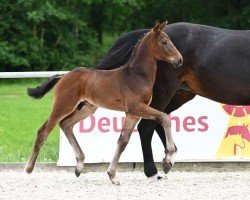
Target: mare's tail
41	90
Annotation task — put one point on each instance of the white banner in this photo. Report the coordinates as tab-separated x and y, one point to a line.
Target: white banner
203	130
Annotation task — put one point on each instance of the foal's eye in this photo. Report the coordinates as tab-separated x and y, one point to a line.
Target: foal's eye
164	42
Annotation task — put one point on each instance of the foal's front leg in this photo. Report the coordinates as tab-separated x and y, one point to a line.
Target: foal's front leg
146	112
122	142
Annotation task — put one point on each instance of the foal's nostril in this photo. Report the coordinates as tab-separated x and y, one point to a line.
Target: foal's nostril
180	61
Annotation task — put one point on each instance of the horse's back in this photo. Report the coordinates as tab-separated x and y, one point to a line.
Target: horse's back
218	63
197	37
218	58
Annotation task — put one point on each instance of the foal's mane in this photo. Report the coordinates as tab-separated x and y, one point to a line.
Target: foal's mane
135	50
120	53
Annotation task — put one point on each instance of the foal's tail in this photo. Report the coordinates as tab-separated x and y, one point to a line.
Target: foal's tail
41	90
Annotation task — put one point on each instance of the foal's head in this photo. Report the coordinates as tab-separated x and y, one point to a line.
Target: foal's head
162	47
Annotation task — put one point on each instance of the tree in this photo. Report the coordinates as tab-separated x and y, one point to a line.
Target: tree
55	34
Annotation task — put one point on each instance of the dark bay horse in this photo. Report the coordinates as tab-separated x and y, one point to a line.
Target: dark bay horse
128	89
216	66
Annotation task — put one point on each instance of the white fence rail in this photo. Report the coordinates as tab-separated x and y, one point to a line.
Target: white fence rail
30	74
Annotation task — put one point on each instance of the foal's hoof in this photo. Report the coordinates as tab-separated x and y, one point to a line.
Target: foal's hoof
28	169
78	172
113	178
79	169
166	166
115	181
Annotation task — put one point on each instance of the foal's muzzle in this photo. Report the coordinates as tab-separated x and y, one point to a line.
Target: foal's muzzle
178	62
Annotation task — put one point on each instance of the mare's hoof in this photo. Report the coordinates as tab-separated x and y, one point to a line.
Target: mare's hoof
166	166
157	176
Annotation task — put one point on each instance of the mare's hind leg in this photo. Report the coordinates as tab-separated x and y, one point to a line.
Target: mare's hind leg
123	140
60	110
67	125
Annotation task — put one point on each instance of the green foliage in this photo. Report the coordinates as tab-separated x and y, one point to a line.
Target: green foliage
54	34
43	35
20	119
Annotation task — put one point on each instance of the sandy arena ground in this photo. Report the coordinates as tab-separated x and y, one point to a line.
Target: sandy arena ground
134	185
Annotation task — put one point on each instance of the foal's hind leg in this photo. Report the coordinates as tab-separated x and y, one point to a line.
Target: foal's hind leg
123	140
42	135
60	110
67	125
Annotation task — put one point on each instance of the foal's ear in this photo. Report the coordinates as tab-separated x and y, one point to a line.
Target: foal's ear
156	26
163	25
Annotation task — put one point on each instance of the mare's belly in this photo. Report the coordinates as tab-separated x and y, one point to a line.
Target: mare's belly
233	93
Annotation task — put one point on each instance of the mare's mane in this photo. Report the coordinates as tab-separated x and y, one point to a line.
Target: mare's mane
121	53
135	50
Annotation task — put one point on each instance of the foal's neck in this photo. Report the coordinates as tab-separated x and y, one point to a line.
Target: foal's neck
144	63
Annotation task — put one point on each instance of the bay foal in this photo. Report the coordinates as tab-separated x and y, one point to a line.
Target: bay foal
127	89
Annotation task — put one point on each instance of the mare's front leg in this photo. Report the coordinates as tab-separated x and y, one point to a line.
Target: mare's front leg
165	86
146	129
147	112
122	142
181	97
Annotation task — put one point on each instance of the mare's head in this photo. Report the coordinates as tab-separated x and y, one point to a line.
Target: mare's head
162	47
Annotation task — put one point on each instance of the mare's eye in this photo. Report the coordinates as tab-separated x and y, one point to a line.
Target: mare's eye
164	42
